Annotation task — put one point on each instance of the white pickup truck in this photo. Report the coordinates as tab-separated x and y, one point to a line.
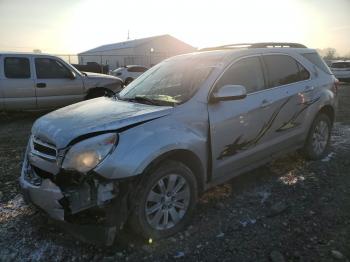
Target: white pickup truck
30	81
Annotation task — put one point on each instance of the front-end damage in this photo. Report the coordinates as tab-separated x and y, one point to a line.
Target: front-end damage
90	207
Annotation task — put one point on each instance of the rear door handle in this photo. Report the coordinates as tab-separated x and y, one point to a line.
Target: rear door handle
265	103
41	85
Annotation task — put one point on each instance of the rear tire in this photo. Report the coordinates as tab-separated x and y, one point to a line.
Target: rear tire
317	142
166	201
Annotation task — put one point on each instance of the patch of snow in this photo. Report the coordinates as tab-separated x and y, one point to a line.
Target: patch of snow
264	196
247	221
328	157
13	208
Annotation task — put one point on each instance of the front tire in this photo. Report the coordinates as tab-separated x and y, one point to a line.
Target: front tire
317	143
165	204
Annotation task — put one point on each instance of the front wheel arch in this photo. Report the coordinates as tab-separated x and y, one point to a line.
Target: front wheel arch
186	157
329	111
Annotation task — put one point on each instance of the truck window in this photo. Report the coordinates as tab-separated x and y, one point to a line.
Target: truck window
50	68
17	67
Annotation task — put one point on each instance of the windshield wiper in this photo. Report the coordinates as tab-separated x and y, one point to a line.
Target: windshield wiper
145	99
141	99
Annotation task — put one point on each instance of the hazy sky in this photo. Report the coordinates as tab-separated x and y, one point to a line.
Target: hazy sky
71	26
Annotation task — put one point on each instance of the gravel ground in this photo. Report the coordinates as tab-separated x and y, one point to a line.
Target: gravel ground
288	210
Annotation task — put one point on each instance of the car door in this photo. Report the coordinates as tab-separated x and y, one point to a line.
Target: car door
17	83
56	84
291	81
242	130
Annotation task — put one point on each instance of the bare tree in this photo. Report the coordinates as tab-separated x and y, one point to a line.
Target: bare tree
328	53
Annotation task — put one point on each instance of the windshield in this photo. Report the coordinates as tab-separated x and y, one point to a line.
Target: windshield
171	82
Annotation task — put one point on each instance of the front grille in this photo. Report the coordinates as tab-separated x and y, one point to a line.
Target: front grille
43	149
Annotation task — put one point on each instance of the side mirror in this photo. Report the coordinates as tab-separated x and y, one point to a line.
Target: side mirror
72	75
228	93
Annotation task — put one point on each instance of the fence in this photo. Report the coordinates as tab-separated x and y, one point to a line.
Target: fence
115	61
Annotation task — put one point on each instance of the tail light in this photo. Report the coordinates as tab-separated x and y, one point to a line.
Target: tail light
335	86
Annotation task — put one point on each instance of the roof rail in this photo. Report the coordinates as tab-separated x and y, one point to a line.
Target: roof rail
255	45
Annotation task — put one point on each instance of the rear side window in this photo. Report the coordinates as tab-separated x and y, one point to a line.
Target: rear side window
246	72
303	73
50	68
317	61
341	65
17	67
283	70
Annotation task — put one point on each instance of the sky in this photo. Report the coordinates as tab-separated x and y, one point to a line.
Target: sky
73	26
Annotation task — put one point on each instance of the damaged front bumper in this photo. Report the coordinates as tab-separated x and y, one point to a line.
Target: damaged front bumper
69	197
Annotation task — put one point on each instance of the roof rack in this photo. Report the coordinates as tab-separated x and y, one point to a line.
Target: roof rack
256	45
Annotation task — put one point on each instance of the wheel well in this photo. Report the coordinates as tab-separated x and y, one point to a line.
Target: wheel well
96	89
329	111
186	157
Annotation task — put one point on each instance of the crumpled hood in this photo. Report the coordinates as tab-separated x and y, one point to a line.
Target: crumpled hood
92	80
101	114
97	75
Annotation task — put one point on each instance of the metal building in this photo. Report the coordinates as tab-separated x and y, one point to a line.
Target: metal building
146	51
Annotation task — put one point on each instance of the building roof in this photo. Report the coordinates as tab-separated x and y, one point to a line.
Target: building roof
128	44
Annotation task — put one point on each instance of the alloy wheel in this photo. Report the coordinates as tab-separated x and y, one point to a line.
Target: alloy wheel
167	202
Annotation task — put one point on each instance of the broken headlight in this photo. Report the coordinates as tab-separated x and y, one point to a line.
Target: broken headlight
87	154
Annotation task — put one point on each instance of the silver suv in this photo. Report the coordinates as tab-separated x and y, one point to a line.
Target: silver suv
31	81
187	124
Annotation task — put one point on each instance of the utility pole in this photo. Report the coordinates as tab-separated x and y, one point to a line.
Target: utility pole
128	35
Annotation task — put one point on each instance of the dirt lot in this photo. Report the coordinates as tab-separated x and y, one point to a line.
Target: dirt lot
289	210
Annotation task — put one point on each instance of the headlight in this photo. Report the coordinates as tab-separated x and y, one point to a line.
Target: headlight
86	155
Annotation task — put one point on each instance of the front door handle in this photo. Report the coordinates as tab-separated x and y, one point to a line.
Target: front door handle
265	103
41	85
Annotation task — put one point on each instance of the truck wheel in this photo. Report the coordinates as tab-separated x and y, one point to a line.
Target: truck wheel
166	201
317	142
128	81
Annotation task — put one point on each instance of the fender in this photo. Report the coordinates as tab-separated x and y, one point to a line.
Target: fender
139	146
325	98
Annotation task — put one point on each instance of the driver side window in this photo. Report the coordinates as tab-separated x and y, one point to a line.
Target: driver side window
50	68
246	72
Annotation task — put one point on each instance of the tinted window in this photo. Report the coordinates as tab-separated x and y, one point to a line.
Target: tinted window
246	72
50	68
17	67
317	61
137	69
303	73
282	70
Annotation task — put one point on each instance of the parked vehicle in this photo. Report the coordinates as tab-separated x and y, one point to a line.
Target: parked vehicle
129	73
341	70
36	81
187	124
